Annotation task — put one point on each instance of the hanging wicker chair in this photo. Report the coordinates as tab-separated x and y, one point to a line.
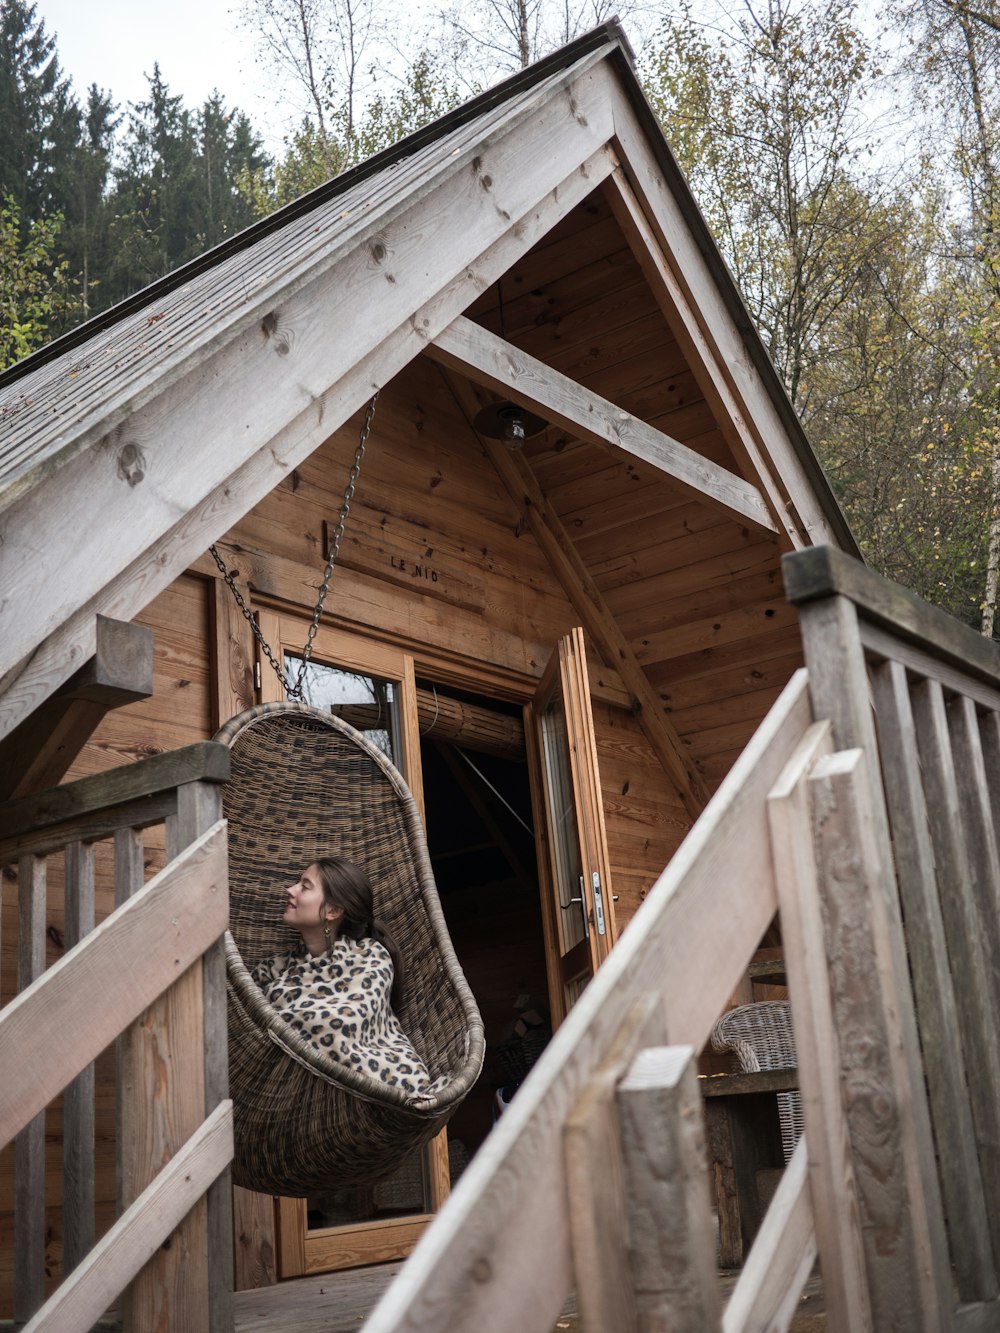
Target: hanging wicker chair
304	785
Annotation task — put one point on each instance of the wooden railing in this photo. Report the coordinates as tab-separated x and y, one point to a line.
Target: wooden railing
152	976
595	1181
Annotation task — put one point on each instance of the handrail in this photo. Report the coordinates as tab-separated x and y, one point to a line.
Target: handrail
133	795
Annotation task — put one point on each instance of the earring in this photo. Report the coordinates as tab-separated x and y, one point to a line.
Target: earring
326	933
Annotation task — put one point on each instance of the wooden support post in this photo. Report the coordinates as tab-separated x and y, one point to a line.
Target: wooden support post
29	1152
78	1104
837	1209
909	1280
36	754
671	1248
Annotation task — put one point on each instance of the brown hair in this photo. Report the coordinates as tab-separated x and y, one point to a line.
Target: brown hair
346	886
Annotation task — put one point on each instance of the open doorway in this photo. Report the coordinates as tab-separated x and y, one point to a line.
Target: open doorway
478	805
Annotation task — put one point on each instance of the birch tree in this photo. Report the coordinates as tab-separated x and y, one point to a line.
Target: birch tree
957	50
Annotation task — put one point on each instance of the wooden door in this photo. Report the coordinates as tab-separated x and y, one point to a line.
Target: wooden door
580	916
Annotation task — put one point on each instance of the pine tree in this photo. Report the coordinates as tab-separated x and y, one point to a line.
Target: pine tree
38	113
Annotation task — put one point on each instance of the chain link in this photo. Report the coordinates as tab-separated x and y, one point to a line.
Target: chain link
295	690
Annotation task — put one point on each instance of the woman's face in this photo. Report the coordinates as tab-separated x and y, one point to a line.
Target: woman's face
306	908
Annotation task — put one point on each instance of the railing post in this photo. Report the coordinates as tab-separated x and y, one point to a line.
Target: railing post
902	1226
671	1249
174	1074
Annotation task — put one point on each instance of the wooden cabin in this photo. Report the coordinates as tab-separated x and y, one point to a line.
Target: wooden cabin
533	265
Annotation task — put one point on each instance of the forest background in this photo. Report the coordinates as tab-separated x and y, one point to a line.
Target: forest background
848	164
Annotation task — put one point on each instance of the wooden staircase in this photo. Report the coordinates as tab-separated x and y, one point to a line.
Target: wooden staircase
866	810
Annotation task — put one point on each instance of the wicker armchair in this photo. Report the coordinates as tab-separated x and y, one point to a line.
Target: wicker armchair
760	1036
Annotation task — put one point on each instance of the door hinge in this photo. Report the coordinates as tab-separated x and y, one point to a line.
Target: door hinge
257	680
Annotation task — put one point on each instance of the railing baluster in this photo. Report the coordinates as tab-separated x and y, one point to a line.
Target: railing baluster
129	877
29	1154
199	806
969	935
989	731
933	984
78	1115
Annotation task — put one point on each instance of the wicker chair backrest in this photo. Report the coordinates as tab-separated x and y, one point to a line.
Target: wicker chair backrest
303	785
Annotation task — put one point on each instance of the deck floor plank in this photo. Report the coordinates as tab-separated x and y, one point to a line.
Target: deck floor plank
341	1302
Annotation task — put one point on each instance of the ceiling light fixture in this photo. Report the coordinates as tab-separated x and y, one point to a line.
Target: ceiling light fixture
508	422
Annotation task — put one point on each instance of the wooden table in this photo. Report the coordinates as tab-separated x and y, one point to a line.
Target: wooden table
744	1140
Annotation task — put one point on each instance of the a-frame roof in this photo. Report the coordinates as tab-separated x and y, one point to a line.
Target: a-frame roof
131	444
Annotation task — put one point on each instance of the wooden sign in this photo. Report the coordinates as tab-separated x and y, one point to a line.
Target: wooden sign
400	554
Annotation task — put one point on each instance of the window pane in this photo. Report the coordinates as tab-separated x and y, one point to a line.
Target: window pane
367	704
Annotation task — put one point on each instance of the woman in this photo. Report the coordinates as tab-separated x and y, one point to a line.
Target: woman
338	991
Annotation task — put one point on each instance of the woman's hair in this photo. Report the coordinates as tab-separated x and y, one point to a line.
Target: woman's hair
346	886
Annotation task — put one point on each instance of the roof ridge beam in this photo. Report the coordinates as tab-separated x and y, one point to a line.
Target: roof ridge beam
488	360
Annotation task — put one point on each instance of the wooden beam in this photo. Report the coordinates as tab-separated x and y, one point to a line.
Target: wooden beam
481	356
586	597
37	753
265	401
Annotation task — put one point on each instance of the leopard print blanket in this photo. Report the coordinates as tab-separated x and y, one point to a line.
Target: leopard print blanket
339	1001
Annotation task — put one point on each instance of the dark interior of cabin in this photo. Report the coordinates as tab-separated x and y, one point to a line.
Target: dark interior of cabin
482	847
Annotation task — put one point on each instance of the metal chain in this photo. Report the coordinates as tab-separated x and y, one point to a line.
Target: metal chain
295	690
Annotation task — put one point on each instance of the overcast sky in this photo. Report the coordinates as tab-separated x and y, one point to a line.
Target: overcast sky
200	47
114	43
